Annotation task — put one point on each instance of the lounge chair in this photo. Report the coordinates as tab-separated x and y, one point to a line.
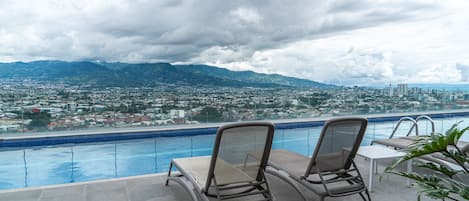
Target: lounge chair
331	171
450	163
229	172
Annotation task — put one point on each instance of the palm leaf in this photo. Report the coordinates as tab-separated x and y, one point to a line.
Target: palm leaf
444	184
439	168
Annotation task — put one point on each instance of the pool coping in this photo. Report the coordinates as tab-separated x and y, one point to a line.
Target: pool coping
52	186
104	135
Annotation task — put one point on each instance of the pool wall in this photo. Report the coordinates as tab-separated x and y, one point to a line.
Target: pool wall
18	141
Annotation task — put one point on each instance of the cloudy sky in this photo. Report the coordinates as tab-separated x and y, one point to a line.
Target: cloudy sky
339	41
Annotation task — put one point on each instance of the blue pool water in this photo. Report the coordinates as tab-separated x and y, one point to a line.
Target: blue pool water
39	166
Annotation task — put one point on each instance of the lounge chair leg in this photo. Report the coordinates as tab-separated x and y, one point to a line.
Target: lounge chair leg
217	192
169	173
268	194
188	187
362	196
368	195
286	178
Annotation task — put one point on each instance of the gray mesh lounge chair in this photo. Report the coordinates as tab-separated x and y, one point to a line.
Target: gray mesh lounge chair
446	161
331	171
229	172
397	143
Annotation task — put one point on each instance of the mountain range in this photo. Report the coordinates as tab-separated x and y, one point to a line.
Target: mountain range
146	75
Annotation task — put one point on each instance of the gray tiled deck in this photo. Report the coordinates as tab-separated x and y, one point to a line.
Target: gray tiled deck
151	188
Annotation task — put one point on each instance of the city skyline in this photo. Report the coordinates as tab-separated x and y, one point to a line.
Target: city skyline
30	106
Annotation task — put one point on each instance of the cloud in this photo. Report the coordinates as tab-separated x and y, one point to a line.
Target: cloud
162	27
363	66
440	74
322	62
413	51
389	40
464	71
247	15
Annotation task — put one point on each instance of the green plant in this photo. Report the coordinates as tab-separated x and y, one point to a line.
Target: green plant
444	183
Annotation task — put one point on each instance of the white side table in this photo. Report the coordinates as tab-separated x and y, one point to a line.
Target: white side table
377	152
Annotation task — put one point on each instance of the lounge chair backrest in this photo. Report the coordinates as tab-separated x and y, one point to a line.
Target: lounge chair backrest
245	146
465	149
337	145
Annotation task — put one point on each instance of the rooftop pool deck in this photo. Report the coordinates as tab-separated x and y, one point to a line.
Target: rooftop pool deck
43	165
151	188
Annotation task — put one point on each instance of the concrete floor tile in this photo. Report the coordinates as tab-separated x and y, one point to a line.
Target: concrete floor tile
152	188
28	195
106	186
112	195
70	191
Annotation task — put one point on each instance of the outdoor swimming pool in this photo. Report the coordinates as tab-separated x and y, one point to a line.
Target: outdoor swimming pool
46	165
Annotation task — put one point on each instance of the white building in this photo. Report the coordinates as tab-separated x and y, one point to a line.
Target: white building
402	89
177	114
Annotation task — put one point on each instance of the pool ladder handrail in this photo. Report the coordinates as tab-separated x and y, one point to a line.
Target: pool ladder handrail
414	124
425	117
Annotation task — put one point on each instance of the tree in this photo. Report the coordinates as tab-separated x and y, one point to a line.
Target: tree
208	114
39	120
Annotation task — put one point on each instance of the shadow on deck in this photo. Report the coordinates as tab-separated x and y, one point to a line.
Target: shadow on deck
151	188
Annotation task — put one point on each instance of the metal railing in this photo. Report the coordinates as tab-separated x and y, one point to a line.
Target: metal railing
403	119
425	117
415	125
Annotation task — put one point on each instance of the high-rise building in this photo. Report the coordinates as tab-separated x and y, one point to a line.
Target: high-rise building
402	89
391	90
